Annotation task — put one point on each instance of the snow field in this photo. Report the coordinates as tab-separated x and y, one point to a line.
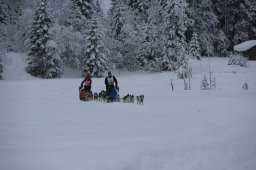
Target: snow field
43	125
14	67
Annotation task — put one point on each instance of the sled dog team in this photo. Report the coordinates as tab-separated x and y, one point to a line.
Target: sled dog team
111	92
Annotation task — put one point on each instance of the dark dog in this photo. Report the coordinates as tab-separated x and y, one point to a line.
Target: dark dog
140	99
102	96
95	96
132	99
128	98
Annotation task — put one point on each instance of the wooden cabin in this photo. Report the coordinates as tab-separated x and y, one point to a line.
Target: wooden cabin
247	48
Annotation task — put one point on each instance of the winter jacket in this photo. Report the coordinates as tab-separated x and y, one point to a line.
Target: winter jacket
87	81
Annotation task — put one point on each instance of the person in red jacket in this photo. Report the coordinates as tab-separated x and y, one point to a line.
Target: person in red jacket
87	82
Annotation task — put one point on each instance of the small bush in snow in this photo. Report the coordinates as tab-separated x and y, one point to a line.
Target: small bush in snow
205	84
213	83
237	59
194	47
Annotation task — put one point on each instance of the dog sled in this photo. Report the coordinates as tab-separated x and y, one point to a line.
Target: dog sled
104	96
112	96
85	94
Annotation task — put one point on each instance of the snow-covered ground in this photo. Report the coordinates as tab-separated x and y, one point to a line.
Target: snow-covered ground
14	67
44	126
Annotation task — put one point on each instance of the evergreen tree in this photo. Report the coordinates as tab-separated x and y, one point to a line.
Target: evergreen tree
113	3
176	22
10	12
140	8
79	13
3	15
117	19
183	70
70	34
1	67
44	62
245	22
69	56
148	48
98	10
95	61
53	60
149	38
194	48
119	61
86	8
206	22
205	84
121	36
75	17
237	19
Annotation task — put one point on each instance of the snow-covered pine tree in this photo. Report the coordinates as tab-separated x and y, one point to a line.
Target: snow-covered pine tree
95	61
148	37
1	67
75	18
206	23
118	60
148	48
98	10
112	4
53	60
86	8
3	15
44	61
176	22
79	13
205	84
70	32
120	35
3	21
117	19
194	47
10	12
183	70
69	55
236	18
245	21
140	8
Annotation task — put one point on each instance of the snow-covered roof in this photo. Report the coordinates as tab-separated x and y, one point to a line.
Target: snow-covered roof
245	45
